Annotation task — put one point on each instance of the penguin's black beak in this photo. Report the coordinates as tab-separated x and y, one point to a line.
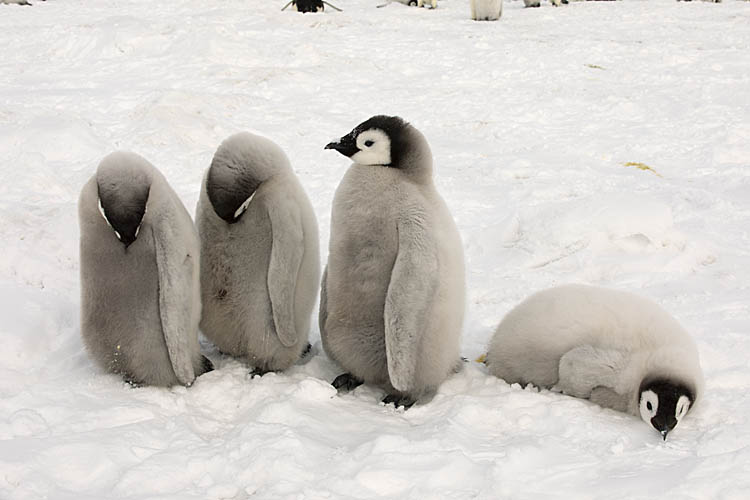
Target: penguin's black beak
346	146
663	425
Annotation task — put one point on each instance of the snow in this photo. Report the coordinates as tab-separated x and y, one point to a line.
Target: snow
532	120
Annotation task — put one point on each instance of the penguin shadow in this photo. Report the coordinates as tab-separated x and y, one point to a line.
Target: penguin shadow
304	358
314	362
219	359
346	383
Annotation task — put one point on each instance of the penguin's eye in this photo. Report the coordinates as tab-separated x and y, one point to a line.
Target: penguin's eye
648	405
369	143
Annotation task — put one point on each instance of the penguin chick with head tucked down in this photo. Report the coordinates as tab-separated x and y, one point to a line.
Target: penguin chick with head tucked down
260	264
140	296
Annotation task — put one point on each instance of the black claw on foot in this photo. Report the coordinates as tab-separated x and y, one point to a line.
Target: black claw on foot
207	365
399	400
134	384
258	371
307	350
346	382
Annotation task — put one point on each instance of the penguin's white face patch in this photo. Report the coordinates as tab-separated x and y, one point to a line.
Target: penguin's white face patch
683	405
649	405
101	211
244	206
374	148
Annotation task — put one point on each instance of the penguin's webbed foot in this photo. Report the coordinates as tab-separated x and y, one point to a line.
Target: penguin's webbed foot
134	384
399	400
346	382
259	371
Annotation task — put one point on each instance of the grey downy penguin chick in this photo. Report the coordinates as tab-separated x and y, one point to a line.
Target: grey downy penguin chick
140	295
617	349
260	260
392	296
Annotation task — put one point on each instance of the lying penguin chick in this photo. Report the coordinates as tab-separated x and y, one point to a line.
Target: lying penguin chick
140	296
392	296
619	350
486	10
260	264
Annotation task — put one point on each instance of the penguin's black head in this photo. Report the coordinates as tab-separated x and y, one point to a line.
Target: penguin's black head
230	194
240	166
308	5
381	140
663	403
123	205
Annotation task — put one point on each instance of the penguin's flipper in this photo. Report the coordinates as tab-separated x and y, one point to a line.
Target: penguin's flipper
176	269
287	250
608	398
586	367
414	280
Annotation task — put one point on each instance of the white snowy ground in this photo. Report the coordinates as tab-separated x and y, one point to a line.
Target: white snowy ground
531	120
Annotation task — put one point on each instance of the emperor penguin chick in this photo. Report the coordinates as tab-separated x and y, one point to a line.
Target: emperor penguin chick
392	296
486	10
617	349
140	290
260	261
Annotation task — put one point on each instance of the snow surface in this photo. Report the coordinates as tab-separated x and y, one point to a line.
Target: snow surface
531	121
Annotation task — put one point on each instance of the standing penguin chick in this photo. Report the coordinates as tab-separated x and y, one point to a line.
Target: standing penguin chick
619	350
260	262
486	10
140	297
392	297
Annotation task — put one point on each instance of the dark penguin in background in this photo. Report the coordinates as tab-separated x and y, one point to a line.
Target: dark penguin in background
305	6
